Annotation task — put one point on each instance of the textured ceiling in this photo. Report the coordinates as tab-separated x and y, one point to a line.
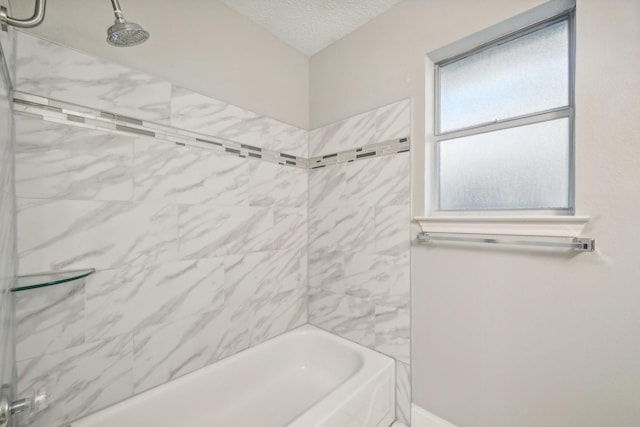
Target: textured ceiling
310	25
307	25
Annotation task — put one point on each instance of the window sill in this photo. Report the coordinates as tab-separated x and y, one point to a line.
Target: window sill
560	226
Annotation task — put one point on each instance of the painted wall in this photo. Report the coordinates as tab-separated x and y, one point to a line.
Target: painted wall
199	253
359	236
8	255
239	62
506	337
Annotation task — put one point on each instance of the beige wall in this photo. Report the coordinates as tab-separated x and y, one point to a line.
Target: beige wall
503	337
240	62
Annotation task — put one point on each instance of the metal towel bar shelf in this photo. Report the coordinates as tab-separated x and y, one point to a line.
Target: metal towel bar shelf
581	244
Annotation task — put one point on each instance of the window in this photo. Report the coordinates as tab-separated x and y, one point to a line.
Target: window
504	116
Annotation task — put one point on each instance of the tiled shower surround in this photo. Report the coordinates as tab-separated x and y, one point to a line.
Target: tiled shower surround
201	249
359	240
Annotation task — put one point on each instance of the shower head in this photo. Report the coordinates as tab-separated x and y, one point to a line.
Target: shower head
123	33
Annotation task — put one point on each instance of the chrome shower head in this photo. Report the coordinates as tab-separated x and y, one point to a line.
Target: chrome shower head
123	33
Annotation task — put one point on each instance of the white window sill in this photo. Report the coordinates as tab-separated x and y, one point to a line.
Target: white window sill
560	226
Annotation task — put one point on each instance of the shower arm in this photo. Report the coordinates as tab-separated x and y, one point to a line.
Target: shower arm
117	11
35	20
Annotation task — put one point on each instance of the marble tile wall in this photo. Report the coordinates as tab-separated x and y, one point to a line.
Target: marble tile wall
382	124
8	255
57	72
199	254
60	73
90	118
359	239
203	114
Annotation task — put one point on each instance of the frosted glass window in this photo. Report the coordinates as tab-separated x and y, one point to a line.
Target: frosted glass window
525	167
526	75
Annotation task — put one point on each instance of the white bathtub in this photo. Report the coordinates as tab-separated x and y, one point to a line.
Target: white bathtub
304	378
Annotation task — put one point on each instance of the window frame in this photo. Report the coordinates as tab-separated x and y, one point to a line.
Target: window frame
567	111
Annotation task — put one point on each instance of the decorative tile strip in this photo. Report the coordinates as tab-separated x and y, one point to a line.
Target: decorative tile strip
76	115
393	146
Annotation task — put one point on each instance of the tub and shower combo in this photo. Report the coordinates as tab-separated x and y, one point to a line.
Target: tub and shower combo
304	378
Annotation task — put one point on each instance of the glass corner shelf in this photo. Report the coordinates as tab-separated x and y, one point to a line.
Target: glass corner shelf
41	280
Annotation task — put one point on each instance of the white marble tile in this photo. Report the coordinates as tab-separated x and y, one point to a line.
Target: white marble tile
381	181
274	135
328	186
271	184
389	122
284	138
393	230
64	74
67	162
348	273
341	228
49	319
382	279
279	311
225	333
290	228
403	393
244	275
263	289
66	234
121	301
79	380
327	269
207	230
167	351
393	121
188	175
393	332
250	276
353	132
199	113
288	270
350	317
268	289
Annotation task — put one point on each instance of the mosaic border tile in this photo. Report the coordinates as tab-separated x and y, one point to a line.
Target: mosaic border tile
82	116
393	146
